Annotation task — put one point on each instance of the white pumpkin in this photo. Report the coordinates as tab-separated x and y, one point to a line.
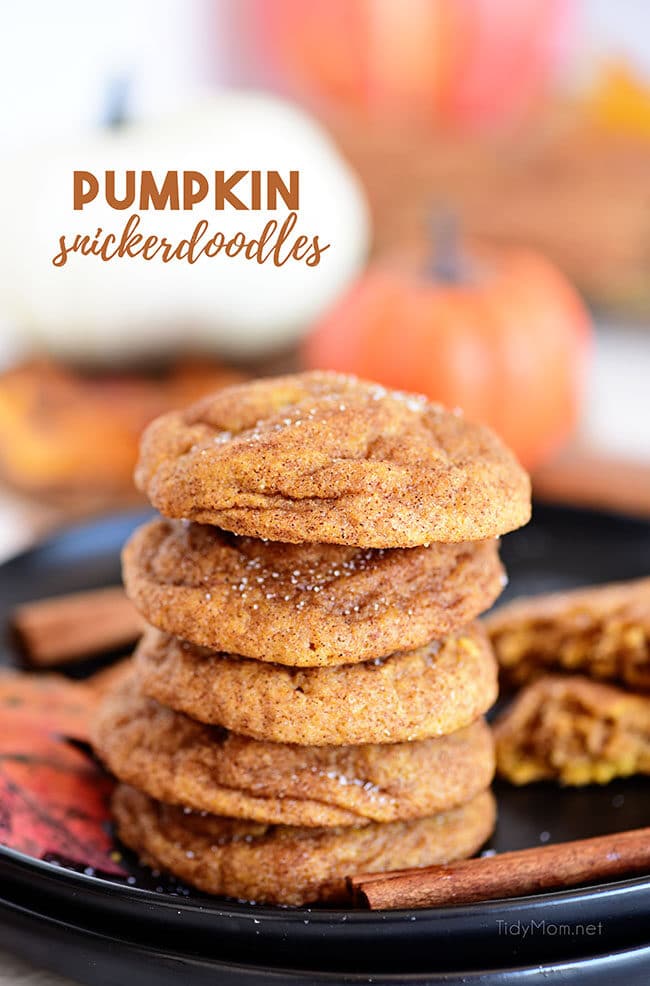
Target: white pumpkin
126	308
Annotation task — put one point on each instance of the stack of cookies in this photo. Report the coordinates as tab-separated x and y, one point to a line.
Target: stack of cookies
307	702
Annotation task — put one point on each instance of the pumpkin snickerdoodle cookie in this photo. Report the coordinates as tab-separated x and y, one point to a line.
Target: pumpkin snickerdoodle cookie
306	701
575	730
304	604
179	761
603	631
283	864
427	692
330	458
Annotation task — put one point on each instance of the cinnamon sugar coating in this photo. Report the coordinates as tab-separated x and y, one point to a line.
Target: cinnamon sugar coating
282	864
431	691
330	458
304	604
179	761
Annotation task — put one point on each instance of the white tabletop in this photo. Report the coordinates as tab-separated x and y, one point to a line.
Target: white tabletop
15	972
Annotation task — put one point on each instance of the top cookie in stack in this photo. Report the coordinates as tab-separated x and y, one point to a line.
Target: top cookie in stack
325	548
329	458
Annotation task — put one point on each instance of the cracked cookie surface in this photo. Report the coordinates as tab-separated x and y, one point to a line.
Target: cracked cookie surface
304	604
179	761
330	458
417	694
282	864
573	730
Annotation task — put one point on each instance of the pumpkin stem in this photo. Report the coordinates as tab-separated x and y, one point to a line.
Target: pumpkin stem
447	263
117	99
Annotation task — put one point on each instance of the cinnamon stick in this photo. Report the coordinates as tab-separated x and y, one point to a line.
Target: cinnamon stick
509	874
68	628
588	479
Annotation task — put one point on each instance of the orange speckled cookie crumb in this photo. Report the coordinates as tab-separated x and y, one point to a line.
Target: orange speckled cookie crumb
603	631
573	730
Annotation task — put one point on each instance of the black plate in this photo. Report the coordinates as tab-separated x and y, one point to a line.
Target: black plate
155	930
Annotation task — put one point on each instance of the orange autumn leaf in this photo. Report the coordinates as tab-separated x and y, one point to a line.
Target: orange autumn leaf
53	798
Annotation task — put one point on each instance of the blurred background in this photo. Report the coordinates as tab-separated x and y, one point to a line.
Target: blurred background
482	168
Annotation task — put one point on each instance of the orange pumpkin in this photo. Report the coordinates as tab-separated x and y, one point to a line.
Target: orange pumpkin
507	340
466	63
